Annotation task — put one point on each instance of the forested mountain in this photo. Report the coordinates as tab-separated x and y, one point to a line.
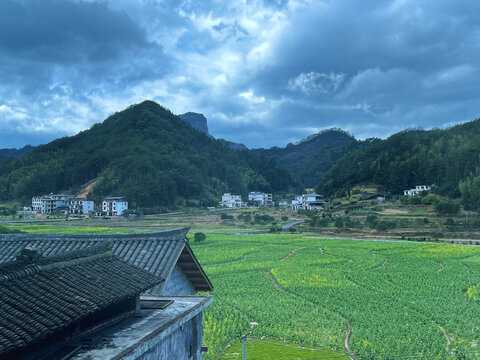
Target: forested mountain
444	158
145	153
312	157
7	153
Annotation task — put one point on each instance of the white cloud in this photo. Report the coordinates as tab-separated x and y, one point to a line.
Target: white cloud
314	82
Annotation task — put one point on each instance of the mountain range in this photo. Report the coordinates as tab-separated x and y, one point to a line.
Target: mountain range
156	158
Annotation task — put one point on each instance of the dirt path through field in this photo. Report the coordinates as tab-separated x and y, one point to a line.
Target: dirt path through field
273	281
348	333
447	337
290	254
385	262
347	339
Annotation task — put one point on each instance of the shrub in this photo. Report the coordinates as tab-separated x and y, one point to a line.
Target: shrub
284	218
263	219
226	217
5	230
371	221
199	237
450	222
447	207
339	222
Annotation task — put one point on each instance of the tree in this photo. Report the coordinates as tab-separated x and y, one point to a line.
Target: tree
199	237
447	207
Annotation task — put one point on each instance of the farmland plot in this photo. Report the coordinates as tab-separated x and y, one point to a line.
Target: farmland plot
398	300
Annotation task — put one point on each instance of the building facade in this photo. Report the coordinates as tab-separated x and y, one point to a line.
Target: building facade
231	201
418	189
114	205
80	206
313	202
260	198
49	204
163	322
37	203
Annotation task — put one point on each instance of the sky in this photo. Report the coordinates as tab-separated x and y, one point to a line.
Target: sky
264	73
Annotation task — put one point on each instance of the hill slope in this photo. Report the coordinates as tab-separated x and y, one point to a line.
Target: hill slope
444	158
312	157
144	153
7	153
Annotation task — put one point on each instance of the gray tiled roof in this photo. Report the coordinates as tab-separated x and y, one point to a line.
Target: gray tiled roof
156	252
42	296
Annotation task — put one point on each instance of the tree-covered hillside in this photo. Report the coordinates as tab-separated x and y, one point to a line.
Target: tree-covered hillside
443	158
144	153
312	157
8	153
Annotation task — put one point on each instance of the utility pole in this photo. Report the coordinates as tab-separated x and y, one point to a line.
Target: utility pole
244	343
245	338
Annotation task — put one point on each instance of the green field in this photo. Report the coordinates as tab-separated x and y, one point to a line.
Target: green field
60	229
401	300
259	349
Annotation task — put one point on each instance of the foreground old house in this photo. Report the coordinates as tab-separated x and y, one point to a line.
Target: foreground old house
140	294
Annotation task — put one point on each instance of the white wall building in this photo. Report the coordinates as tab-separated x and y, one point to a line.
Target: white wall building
37	203
231	201
313	202
418	189
297	203
114	205
260	198
80	206
53	203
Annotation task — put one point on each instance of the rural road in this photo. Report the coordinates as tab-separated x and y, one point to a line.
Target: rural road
289	225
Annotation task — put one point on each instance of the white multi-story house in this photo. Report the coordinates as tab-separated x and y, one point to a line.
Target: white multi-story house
37	203
114	205
297	203
231	201
80	206
418	189
260	198
53	203
313	202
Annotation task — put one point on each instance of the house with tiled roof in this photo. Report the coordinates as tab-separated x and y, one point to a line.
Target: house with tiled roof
169	324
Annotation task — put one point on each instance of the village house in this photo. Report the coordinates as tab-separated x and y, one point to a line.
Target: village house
418	189
114	205
313	202
37	204
260	198
231	201
48	204
138	304
80	206
297	203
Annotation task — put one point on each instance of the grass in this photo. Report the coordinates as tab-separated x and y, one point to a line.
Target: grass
257	349
49	229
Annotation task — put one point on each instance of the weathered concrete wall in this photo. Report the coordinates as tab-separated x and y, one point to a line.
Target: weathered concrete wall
183	344
178	284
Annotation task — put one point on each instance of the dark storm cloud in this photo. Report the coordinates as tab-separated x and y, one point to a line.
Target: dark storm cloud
277	67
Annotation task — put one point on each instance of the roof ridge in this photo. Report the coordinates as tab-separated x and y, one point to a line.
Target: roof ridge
30	261
178	234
